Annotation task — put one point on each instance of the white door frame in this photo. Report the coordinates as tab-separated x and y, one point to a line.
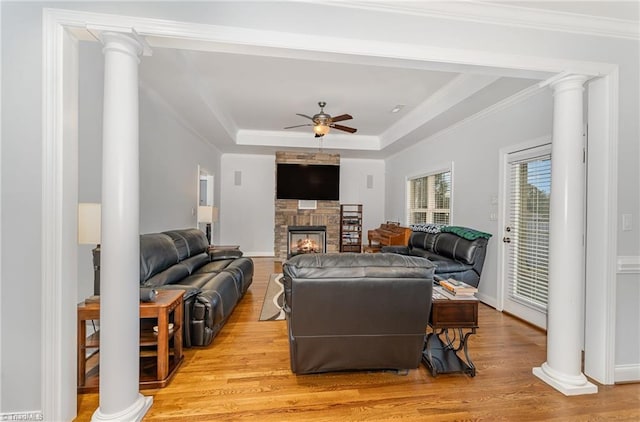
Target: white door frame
61	31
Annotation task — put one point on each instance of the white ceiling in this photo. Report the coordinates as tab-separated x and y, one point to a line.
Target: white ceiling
240	102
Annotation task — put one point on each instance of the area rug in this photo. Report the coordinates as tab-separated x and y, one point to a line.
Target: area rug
273	300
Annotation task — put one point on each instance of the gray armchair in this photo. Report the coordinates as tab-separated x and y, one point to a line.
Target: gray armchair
356	311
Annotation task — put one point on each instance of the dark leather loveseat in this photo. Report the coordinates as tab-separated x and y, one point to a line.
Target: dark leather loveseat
355	311
213	282
457	252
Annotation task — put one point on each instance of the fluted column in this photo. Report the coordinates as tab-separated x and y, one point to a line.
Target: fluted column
563	368
120	398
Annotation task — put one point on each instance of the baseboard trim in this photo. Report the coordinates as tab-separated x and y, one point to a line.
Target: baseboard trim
258	254
487	300
627	373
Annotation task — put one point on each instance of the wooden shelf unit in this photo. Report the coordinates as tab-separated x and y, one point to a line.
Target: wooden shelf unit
351	228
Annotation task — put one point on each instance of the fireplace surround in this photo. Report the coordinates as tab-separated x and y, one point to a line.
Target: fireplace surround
288	212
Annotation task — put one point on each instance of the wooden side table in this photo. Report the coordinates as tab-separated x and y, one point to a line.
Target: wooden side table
157	364
452	321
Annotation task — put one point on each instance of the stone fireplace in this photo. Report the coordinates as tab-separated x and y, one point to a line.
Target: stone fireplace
306	239
294	213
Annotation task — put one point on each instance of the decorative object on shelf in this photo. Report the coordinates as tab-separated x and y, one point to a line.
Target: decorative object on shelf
351	228
208	215
323	122
89	232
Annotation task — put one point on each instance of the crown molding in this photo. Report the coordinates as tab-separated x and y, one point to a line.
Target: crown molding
505	15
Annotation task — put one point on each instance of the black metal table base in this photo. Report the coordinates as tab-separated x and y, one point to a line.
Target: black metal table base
440	355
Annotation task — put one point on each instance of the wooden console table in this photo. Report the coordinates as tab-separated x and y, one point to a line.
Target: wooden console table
157	364
452	321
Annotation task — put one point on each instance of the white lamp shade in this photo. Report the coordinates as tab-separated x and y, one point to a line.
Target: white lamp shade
205	214
214	214
89	228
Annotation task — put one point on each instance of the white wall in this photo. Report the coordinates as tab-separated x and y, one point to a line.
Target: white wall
473	149
169	159
20	317
247	212
354	190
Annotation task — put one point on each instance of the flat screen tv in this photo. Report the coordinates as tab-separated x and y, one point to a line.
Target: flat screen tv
308	181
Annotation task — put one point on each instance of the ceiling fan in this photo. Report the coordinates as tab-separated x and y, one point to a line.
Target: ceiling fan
323	122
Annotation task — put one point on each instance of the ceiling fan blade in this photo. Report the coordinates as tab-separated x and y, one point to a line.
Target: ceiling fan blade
304	115
341	118
291	127
345	128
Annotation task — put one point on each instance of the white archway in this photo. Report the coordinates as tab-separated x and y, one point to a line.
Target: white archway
63	28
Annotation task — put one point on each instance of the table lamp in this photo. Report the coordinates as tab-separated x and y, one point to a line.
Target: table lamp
207	215
89	229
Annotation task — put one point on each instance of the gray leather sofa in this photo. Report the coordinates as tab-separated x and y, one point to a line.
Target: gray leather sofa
356	311
453	255
214	283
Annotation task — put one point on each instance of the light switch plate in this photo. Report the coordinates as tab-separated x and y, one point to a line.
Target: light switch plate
627	222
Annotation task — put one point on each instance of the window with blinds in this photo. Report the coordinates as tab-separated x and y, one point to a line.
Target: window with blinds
528	230
429	199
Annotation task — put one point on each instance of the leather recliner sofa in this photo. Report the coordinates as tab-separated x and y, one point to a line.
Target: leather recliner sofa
354	311
213	282
458	254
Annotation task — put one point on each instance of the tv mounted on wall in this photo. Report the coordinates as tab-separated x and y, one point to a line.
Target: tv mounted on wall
308	181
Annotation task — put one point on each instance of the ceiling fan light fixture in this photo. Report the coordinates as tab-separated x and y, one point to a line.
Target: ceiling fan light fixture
321	129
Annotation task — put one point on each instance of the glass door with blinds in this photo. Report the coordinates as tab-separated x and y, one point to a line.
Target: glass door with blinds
526	234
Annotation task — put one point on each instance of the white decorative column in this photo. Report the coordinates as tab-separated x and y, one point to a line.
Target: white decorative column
120	246
563	368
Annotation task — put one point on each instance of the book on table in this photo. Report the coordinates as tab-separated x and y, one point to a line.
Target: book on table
458	287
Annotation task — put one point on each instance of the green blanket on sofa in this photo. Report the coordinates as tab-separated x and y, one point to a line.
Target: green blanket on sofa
465	232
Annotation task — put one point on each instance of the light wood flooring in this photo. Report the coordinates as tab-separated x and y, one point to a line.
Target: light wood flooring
244	375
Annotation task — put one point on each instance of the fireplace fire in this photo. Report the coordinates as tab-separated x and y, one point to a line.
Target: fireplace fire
306	239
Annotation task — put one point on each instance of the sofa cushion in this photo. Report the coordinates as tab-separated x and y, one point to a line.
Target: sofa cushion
157	253
444	264
193	263
452	246
214	266
242	270
189	242
195	280
169	276
356	265
423	240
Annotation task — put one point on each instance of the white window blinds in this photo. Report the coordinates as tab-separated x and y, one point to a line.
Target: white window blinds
429	199
528	230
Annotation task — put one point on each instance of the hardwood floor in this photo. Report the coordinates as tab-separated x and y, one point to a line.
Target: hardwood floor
244	375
